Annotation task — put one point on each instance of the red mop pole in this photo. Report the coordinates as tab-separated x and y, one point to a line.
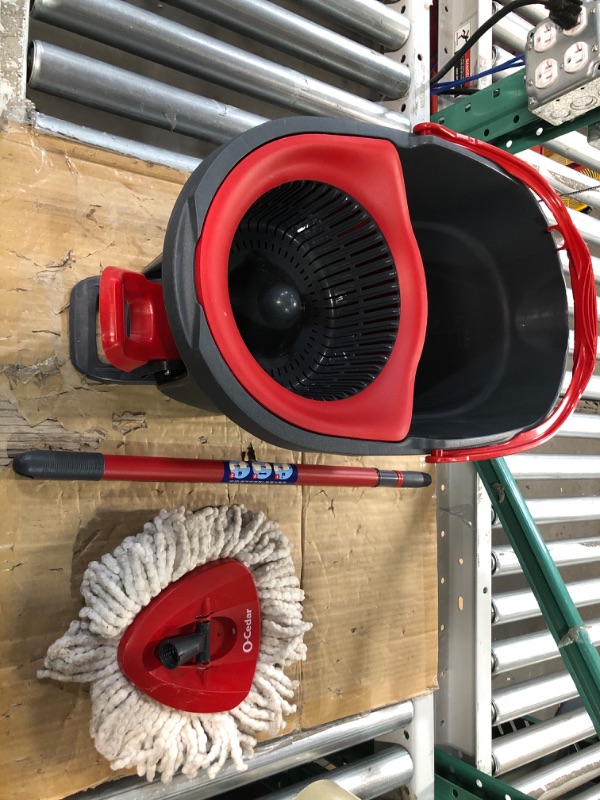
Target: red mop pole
56	465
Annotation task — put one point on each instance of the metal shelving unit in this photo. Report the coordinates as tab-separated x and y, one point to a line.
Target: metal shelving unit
389	769
349	59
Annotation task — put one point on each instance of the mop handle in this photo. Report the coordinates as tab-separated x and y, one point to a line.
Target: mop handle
66	466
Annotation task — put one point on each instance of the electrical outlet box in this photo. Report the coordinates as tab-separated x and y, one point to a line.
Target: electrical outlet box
562	68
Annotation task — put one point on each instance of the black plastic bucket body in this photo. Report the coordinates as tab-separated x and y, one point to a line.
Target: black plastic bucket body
497	331
497	335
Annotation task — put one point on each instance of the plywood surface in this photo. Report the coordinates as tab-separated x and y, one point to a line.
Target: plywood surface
366	557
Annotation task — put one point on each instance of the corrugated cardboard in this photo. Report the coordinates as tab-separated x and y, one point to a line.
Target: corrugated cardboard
366	557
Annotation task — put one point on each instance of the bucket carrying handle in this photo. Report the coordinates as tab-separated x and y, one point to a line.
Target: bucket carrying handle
584	296
133	320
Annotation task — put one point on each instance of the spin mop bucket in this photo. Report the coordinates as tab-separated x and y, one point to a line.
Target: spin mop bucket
347	288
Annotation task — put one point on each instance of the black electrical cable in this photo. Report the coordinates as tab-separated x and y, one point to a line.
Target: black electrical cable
563	12
457	90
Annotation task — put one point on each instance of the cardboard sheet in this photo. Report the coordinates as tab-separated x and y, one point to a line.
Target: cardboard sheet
366	557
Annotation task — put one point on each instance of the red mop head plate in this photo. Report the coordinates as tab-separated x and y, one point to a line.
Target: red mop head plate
195	645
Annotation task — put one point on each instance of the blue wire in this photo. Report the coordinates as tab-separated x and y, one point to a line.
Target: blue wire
498	68
513	62
517	61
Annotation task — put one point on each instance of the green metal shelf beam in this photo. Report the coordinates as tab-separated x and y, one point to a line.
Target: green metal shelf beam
455	780
499	114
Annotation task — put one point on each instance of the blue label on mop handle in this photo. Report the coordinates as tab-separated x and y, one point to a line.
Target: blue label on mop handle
258	472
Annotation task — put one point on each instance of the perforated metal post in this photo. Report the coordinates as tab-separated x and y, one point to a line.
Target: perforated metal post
464	700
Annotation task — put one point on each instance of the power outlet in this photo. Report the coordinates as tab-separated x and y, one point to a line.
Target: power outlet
581	23
562	71
545	36
546	73
576	57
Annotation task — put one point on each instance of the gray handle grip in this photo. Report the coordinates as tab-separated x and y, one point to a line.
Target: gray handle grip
59	466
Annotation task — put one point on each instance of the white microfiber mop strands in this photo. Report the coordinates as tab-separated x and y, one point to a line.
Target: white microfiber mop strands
129	728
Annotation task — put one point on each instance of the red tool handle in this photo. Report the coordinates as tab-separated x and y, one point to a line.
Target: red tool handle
584	296
66	466
133	320
139	468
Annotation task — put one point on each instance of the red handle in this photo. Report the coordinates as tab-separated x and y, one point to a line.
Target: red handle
584	296
146	335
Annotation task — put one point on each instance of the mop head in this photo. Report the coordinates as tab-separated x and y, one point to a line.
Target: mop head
130	729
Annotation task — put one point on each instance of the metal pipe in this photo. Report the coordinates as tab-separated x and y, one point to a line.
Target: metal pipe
577	149
595	265
282	29
514	18
523	651
564	179
499	56
366	778
572	345
571	304
561	776
513	606
539	740
64	73
530	696
592	390
593	793
150	36
115	144
581	426
564	552
548	467
532	14
589	227
386	25
269	758
562	509
510	34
